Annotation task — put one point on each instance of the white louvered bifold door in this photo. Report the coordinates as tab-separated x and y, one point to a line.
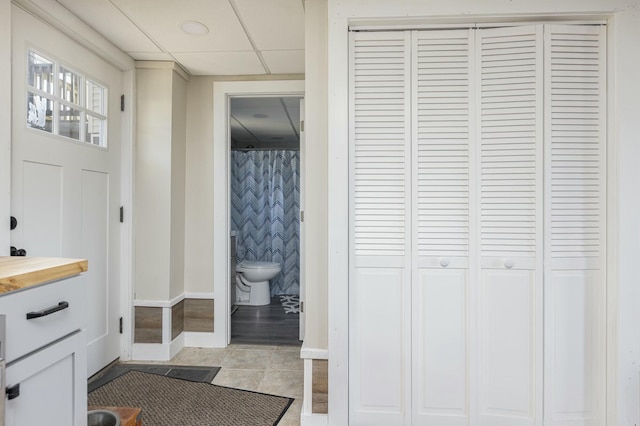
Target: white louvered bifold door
510	194
575	291
380	218
441	82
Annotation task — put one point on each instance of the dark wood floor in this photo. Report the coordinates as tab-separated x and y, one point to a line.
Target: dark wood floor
265	325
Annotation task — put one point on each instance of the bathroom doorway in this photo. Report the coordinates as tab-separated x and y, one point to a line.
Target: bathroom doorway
264	216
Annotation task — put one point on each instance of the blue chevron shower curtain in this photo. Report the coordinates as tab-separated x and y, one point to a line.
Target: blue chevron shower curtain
265	211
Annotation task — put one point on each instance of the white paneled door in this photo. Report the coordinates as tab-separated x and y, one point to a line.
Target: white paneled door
477	212
66	192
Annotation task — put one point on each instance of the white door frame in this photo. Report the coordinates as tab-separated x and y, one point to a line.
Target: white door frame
222	91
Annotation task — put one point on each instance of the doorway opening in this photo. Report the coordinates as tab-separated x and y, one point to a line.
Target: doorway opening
264	211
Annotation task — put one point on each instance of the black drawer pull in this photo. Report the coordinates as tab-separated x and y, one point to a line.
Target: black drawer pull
43	313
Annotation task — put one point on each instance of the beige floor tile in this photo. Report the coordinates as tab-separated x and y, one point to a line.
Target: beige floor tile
247	358
292	416
209	357
234	346
286	360
283	383
239	379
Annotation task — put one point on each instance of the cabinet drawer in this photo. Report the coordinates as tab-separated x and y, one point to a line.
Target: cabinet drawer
61	304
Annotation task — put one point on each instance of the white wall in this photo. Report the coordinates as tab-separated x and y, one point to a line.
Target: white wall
152	184
5	124
159	182
178	172
316	198
624	250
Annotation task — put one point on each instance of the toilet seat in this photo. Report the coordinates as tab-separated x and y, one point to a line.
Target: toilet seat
254	264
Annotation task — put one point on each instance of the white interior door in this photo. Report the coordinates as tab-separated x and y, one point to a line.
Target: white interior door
66	193
510	226
380	243
575	218
442	100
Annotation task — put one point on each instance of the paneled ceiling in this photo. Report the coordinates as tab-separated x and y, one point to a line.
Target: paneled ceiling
243	37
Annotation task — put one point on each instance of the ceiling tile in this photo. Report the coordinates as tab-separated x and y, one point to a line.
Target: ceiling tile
273	24
161	19
106	19
221	63
284	61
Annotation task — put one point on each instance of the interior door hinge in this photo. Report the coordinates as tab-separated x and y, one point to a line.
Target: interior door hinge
121	214
302	216
302	307
120	325
121	102
302	125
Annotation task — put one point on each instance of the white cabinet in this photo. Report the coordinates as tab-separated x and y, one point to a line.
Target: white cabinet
52	385
46	361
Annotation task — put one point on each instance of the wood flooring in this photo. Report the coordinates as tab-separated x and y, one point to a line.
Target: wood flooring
265	325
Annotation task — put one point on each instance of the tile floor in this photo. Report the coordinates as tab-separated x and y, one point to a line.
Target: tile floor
277	370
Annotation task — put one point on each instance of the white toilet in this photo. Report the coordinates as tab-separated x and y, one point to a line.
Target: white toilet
252	281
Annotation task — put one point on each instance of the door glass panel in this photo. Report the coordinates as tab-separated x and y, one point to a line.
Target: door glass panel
40	73
95	97
95	129
69	122
39	112
69	86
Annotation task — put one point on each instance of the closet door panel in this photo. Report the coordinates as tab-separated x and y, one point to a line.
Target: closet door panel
573	336
379	222
441	373
442	90
510	78
377	345
575	215
508	360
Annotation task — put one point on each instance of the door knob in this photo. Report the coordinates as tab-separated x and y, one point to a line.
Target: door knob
14	223
444	262
508	263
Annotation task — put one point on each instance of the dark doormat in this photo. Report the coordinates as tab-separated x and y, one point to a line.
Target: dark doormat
186	372
169	401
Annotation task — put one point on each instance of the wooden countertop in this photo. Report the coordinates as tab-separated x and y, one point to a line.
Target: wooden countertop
17	273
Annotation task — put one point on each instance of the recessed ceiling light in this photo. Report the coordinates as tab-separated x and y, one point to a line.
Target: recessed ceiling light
194	28
260	115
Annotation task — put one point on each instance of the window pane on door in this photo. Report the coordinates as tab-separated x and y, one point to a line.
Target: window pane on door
95	97
69	86
39	112
69	122
40	73
95	129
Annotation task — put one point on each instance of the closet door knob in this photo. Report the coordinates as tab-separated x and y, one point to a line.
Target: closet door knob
444	262
508	263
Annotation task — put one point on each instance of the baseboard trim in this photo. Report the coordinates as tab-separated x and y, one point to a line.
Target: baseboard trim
314	419
151	352
195	339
